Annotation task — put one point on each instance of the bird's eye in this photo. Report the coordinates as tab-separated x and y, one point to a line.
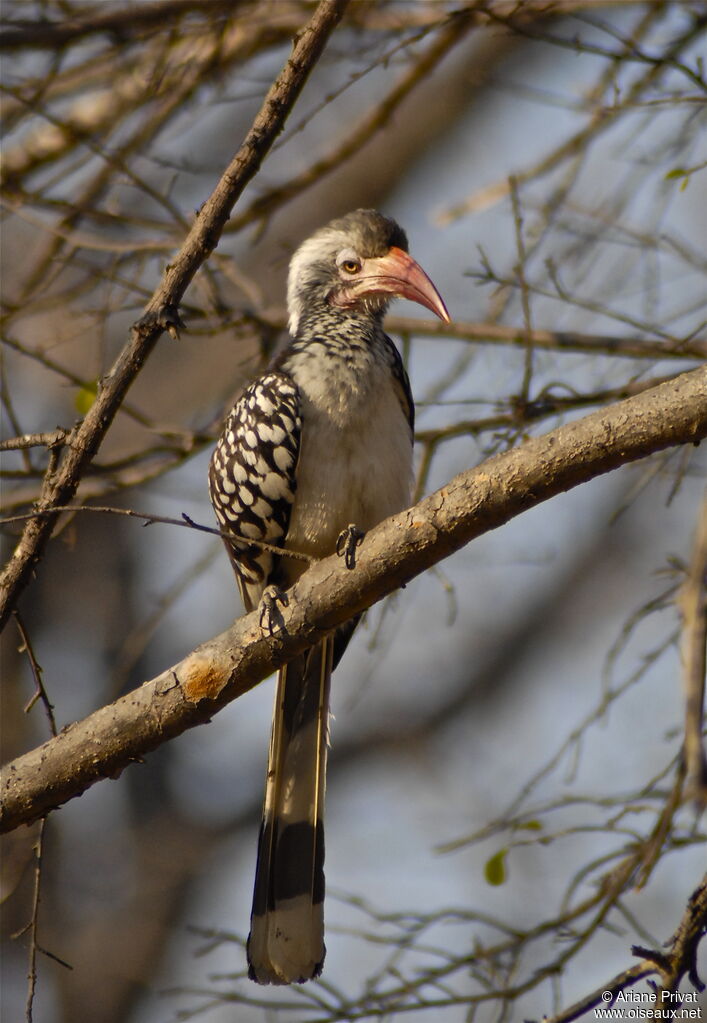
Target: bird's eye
351	265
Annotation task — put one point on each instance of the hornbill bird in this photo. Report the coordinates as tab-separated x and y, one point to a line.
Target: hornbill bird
315	450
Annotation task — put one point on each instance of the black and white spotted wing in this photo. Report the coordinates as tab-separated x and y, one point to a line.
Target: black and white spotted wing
252	478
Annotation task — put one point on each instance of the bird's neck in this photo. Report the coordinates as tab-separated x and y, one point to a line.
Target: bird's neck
349	349
313	313
342	327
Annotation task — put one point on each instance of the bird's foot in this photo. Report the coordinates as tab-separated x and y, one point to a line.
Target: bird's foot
270	620
347	542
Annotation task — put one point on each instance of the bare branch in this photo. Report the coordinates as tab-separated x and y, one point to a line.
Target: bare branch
328	594
369	126
132	21
598	123
681	961
693	605
521	414
671	966
34	922
161	310
149	519
40	693
556	340
35	440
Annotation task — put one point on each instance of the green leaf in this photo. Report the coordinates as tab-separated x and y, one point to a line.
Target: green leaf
495	868
530	826
676	172
85	397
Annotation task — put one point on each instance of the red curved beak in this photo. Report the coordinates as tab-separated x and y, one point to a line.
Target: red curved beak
397	273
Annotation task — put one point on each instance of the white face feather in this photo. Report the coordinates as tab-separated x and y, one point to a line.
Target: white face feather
309	267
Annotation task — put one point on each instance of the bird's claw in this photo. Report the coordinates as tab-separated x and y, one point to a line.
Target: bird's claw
347	542
270	620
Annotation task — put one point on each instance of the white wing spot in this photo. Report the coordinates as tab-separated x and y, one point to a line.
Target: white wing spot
265	405
261	509
282	458
251	529
274	486
265	431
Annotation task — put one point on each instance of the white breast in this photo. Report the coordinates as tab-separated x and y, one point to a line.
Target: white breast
355	463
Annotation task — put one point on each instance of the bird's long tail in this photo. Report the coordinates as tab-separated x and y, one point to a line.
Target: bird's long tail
286	942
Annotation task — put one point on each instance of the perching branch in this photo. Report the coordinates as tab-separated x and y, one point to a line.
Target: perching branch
161	312
327	594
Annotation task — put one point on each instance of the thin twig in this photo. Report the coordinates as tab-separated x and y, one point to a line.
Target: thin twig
149	519
40	693
600	121
35	440
524	291
34	922
553	340
58	34
161	312
692	602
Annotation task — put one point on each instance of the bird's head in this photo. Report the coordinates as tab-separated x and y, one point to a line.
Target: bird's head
357	263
